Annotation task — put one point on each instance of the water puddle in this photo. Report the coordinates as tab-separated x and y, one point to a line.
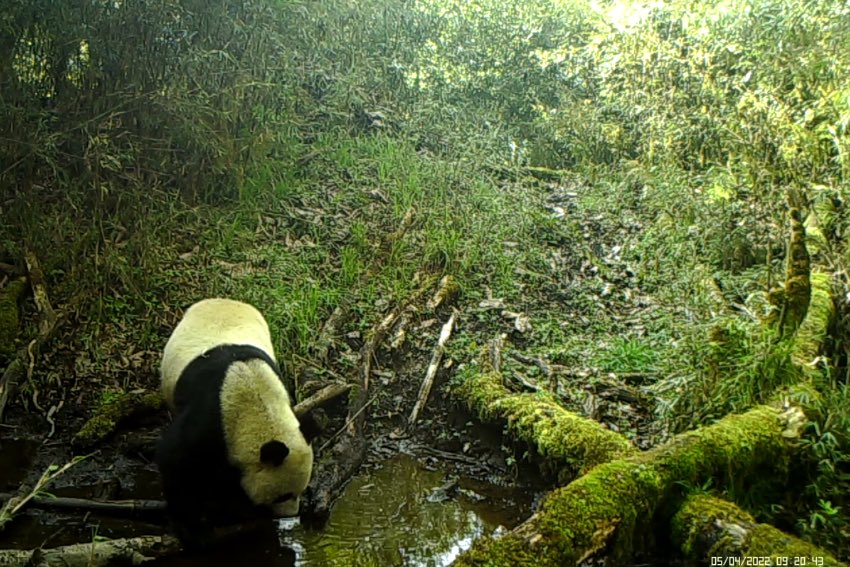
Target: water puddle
403	514
398	512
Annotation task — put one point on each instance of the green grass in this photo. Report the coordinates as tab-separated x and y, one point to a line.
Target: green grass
627	355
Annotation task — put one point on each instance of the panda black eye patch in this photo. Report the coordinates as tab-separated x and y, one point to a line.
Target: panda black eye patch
285	498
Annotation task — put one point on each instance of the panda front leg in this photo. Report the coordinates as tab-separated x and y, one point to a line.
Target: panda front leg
185	487
189	521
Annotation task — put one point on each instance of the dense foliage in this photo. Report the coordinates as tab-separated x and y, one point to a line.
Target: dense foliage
694	120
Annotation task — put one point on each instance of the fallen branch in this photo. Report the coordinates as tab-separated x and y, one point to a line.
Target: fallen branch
544	366
524	382
39	291
110	507
400	334
329	332
431	373
320	398
101	553
16	503
446	291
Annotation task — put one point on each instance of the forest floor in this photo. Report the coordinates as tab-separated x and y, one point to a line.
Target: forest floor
541	264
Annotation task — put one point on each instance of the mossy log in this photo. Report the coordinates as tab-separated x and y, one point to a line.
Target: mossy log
797	292
813	330
576	443
606	511
706	527
119	408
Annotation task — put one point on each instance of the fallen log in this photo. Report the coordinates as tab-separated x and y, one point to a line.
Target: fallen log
569	440
132	551
814	329
605	512
110	507
797	291
706	527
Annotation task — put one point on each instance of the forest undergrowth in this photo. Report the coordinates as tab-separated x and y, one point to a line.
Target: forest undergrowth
608	183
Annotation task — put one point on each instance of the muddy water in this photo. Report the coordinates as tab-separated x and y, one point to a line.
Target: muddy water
403	514
395	513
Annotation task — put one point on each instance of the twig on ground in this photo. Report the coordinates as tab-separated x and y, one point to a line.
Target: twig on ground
524	382
320	398
16	504
496	352
431	373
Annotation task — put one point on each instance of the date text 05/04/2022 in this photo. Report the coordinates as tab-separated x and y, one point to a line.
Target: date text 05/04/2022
768	561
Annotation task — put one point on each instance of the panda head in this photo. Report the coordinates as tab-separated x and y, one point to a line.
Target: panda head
265	440
278	472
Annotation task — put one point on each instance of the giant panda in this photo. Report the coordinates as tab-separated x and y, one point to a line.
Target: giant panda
234	447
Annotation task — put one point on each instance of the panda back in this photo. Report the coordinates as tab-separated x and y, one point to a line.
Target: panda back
208	324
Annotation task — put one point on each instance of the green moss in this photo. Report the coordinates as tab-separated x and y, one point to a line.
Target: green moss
114	408
709	527
797	281
606	510
562	436
735	447
10	315
814	328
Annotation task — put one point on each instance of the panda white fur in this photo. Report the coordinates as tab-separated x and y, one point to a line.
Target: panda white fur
235	447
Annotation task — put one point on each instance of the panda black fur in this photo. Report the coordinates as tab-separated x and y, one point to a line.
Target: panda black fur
235	447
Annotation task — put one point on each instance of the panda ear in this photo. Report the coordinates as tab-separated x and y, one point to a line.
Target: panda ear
310	427
273	453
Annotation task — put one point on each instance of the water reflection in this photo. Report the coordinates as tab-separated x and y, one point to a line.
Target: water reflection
384	518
